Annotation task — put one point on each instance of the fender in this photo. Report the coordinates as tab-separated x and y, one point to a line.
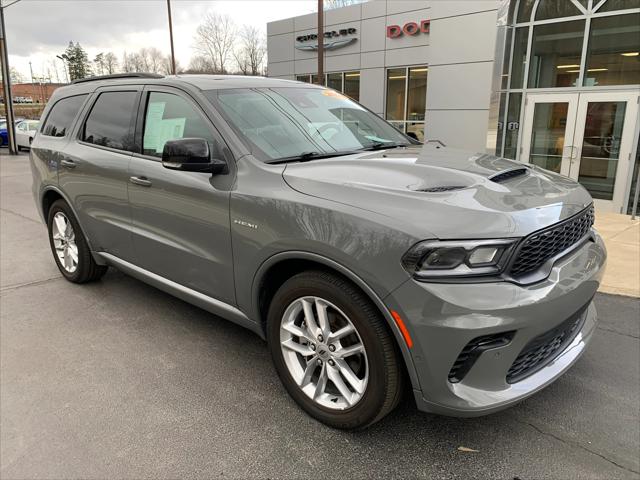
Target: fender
99	260
302	255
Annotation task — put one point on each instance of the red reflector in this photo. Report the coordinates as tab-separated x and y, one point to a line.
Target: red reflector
403	328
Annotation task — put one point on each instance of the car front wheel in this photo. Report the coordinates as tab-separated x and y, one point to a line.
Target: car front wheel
333	351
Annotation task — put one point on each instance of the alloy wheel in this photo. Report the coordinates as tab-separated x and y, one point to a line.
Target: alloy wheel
64	242
324	353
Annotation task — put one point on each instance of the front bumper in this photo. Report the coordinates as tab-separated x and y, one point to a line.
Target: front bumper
443	318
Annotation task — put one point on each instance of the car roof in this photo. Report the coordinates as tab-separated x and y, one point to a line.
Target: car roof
201	82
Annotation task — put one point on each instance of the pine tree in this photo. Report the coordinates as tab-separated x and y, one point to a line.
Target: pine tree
77	60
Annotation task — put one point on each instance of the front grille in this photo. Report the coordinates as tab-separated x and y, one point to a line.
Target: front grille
543	349
542	245
472	351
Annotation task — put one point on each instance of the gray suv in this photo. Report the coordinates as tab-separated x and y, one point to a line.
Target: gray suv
369	262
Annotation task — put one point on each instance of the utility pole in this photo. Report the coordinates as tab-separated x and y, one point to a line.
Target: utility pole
63	57
173	56
6	84
34	92
320	42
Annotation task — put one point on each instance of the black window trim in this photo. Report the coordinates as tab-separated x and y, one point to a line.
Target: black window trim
73	122
141	117
87	111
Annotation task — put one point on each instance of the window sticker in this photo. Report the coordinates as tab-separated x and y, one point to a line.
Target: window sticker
170	129
153	125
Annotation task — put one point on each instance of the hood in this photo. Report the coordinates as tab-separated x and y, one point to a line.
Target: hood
443	192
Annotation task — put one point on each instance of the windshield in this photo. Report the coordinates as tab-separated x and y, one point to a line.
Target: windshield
278	123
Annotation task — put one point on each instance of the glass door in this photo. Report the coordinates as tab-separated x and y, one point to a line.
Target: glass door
549	126
604	140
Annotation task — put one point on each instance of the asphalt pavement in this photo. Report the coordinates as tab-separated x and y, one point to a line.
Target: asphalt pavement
119	380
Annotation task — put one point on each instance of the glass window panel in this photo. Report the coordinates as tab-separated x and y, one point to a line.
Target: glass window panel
614	5
62	115
614	51
109	123
512	126
170	117
547	135
417	95
314	79
352	85
519	57
501	123
334	80
556	9
505	62
396	78
634	183
601	148
416	130
555	54
524	10
303	78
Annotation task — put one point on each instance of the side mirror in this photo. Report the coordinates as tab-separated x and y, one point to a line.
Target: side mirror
191	155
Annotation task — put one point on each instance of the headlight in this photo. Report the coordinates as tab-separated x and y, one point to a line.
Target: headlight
435	260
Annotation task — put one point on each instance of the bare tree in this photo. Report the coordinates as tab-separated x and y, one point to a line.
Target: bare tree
110	63
250	53
149	60
200	64
214	40
99	62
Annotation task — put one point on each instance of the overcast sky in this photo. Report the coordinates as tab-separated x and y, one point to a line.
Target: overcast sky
38	30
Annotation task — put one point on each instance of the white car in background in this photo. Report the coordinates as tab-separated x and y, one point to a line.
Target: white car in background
25	131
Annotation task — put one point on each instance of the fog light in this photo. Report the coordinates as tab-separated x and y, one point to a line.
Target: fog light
483	255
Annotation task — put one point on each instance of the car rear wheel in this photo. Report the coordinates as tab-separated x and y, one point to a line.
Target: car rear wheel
333	351
70	249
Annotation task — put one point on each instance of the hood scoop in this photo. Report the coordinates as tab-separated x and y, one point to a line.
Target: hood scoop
443	188
506	175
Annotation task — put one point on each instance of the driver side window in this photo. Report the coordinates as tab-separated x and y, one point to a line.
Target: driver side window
171	117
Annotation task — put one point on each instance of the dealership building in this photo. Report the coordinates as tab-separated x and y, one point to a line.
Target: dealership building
555	83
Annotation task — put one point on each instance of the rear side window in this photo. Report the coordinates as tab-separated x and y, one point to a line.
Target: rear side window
61	116
109	122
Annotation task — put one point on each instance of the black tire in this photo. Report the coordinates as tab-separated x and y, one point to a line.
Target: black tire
87	269
385	384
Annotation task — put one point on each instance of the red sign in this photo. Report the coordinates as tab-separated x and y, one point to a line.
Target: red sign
409	28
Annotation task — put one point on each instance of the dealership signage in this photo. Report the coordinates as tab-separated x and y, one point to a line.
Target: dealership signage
410	28
332	40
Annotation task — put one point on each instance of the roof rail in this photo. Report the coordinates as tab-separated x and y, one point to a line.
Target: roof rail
116	76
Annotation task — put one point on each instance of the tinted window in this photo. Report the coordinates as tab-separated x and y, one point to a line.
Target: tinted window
170	117
109	123
61	116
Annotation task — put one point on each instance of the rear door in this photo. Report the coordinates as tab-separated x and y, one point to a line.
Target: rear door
181	219
94	168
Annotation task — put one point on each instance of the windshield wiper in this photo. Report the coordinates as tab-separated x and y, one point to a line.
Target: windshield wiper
383	146
308	156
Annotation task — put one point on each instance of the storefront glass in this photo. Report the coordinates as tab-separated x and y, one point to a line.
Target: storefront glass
396	91
555	54
613	57
407	99
352	85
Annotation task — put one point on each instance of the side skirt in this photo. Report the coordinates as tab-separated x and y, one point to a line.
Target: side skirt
198	299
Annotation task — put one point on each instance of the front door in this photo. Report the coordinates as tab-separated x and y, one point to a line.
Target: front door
585	136
181	228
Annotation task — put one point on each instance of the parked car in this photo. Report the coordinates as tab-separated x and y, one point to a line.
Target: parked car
367	261
25	131
4	135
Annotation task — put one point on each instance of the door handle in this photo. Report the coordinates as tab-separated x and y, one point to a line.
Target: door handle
142	181
68	163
